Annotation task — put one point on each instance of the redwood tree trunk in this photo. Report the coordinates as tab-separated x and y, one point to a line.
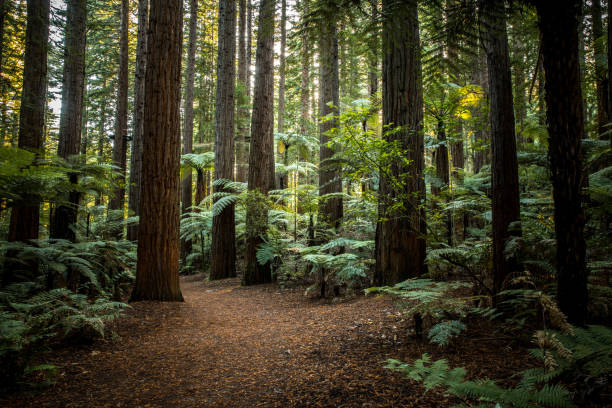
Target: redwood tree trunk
223	258
281	68
559	28
330	177
262	133
242	148
400	237
71	123
120	142
137	135
158	236
504	180
305	78
24	222
601	80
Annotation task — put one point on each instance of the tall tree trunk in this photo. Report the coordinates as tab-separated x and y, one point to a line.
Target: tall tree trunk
262	146
73	82
249	49
138	123
186	185
2	19
242	148
374	47
330	177
101	139
305	79
223	261
158	234
120	142
400	237
481	136
601	80
281	68
559	28
24	222
504	180
609	73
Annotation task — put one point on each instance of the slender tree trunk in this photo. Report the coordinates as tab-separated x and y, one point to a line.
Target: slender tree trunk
84	131
262	147
242	148
305	78
138	123
2	19
71	118
559	27
506	208
481	136
601	80
330	177
609	73
186	184
281	68
374	47
158	234
24	222
101	140
223	261
400	237
249	49
120	142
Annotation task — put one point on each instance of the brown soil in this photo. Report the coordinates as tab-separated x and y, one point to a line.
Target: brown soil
230	346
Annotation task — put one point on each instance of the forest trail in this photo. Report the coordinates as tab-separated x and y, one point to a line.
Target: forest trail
231	346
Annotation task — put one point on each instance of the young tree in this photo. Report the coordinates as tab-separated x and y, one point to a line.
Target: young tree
70	127
186	187
138	123
330	176
400	237
223	251
158	234
558	23
24	222
504	181
262	145
121	136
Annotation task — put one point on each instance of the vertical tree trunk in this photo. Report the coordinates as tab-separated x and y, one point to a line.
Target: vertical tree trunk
242	148
330	177
374	47
101	140
24	222
70	126
120	142
2	18
305	79
559	28
281	68
506	209
137	134
481	136
609	73
186	184
400	237
601	80
249	50
223	261
158	234
262	147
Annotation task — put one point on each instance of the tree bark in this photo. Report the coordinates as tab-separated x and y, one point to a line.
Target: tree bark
305	78
186	184
481	138
120	142
249	50
138	123
223	260
158	234
601	80
24	221
330	177
504	180
262	147
71	123
559	27
400	234
281	68
374	47
242	148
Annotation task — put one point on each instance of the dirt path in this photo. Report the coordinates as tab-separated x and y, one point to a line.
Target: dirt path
229	346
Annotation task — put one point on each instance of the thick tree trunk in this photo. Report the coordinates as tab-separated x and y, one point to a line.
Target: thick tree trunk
281	68
186	184
223	260
504	180
73	83
242	148
559	27
158	234
262	147
330	177
400	235
24	222
120	142
601	80
137	134
609	73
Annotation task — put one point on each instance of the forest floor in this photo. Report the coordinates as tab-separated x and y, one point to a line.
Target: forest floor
232	346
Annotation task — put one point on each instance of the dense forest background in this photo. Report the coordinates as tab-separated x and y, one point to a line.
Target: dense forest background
454	155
